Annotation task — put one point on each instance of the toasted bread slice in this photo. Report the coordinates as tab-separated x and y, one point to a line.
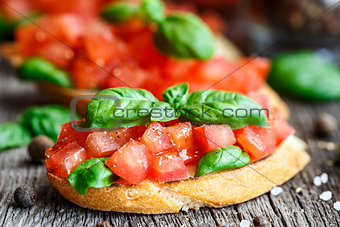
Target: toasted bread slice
214	190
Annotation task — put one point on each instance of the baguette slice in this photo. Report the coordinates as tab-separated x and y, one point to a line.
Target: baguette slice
224	48
212	190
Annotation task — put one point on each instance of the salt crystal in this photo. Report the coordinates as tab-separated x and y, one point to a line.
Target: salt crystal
325	196
324	178
276	190
337	205
245	223
317	181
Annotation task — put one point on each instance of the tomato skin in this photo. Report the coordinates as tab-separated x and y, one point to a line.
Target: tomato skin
86	74
279	125
58	53
104	144
157	140
102	46
100	144
211	137
261	98
67	135
66	160
257	142
167	167
182	136
131	162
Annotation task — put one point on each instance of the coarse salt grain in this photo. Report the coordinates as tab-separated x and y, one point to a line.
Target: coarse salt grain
337	205
245	223
324	178
325	196
317	181
276	190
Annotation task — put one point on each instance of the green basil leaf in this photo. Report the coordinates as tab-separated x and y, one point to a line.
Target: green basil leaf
91	174
45	120
152	11
119	12
305	75
39	69
184	36
13	135
122	107
175	94
162	111
221	107
221	159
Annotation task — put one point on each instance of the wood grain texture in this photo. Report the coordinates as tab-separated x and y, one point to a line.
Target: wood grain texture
287	209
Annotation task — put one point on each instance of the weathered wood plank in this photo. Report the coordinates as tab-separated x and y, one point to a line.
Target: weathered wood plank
287	209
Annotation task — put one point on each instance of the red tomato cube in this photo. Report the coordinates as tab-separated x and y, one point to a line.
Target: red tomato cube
66	160
103	144
131	162
257	142
260	98
281	128
211	137
182	136
68	135
100	144
157	140
102	46
167	167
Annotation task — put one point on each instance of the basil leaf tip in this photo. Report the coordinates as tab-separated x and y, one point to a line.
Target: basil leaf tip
91	173
119	12
184	36
41	70
152	11
221	159
175	94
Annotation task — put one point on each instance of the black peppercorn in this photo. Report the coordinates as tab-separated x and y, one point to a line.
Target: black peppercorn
37	147
260	222
325	124
25	196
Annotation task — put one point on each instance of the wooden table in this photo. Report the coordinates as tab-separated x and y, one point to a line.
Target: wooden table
51	209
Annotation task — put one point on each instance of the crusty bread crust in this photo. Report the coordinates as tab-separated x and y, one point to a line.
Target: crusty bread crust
213	190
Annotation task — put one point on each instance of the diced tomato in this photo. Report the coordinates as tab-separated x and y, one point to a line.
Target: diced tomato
261	98
211	137
68	135
103	144
169	123
87	75
66	27
182	136
127	74
157	140
258	142
102	46
144	51
58	53
167	167
280	126
262	65
10	8
131	162
66	160
178	69
30	39
100	144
